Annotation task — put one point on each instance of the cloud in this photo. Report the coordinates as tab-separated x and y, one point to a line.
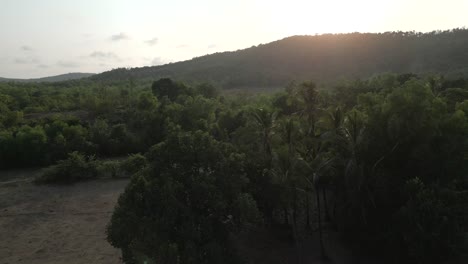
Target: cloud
26	48
152	41
119	37
43	66
67	64
20	61
26	60
104	55
211	46
157	61
182	46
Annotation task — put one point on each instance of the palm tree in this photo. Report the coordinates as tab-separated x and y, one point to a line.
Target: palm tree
309	97
318	163
359	173
284	171
266	120
316	182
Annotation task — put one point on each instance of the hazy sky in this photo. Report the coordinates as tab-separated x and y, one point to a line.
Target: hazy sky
49	37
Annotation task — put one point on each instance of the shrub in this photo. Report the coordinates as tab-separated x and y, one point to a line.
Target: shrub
76	167
33	109
110	168
134	163
122	168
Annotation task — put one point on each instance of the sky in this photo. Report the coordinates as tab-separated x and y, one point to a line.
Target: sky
49	37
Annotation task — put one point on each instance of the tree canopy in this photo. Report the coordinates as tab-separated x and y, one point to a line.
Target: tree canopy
382	161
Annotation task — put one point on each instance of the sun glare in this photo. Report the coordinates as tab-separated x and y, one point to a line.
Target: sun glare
335	16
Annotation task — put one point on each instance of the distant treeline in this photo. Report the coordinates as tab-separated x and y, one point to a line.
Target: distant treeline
323	58
57	78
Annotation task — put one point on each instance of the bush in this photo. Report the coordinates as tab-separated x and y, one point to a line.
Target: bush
110	168
33	109
134	163
122	168
76	167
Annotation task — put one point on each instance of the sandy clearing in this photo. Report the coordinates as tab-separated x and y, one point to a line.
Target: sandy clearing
57	224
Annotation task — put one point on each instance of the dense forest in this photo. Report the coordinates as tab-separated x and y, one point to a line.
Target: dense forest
323	58
383	161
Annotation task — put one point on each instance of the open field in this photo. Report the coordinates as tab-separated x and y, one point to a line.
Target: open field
56	224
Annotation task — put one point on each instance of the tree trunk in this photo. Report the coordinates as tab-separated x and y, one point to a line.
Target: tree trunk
294	206
294	224
295	233
297	243
307	211
322	249
268	216
327	215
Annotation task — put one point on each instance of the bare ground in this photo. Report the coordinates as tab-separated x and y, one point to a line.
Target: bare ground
56	224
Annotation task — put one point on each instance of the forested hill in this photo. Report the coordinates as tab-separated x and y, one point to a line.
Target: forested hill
320	58
57	78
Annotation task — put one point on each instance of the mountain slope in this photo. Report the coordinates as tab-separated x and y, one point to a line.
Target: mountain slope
57	78
322	58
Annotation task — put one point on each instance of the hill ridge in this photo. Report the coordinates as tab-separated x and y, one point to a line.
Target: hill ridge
55	78
322	58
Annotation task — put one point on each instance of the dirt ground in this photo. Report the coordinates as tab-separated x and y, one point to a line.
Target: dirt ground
56	224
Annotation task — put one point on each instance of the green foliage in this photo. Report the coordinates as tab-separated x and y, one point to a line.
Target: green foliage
110	169
429	222
147	101
385	159
76	167
207	90
100	133
11	118
247	209
24	146
405	137
167	87
134	163
178	204
122	168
